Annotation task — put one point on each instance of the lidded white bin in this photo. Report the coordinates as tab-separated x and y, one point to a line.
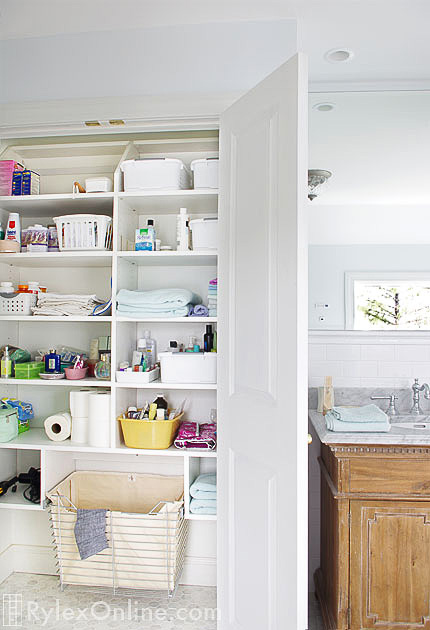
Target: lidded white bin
188	367
205	172
98	184
204	233
154	174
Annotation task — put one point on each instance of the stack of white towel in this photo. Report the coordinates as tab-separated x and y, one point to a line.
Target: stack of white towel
157	303
66	305
203	494
213	298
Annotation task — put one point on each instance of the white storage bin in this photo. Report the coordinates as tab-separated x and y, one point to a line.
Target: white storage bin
17	304
98	184
204	233
154	174
84	232
205	172
137	377
188	367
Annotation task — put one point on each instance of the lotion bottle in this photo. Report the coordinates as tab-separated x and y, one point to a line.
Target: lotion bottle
182	231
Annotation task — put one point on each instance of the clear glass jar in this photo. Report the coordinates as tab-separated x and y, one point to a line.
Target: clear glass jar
102	370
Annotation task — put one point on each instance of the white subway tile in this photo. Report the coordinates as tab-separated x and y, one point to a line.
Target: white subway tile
325	368
343	352
378	381
405	352
373	352
360	368
395	368
317	352
346	381
315	381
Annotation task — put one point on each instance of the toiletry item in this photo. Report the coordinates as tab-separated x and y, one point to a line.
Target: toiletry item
23	288
102	370
6	364
152	411
208	339
17	183
191	344
215	342
6	287
137	357
196	348
144	240
94	349
53	239
182	231
13	230
161	414
52	362
37	241
150	348
30	183
161	404
173	346
1	232
328	394
151	231
131	412
157	244
33	287
213	416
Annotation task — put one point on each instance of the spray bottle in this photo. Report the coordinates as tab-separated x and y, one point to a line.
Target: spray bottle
6	364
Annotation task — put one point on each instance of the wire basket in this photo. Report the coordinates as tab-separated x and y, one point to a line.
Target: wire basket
83	232
146	550
17	304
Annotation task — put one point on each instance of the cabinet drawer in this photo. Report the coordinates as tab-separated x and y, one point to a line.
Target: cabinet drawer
390	476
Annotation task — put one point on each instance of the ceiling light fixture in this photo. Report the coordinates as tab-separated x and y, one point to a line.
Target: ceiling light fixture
324	107
316	178
339	55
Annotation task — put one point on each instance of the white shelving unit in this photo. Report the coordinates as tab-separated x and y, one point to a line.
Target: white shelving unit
91	272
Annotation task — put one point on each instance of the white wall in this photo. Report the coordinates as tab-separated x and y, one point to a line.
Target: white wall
328	264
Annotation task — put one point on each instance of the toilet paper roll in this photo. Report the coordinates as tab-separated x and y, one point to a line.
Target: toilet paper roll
99	419
79	403
58	426
79	430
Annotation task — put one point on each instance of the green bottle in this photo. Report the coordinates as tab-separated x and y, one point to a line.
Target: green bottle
1	232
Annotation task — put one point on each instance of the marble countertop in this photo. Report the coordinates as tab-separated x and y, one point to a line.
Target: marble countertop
396	435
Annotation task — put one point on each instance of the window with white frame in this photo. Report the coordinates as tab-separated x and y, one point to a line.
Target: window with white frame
387	300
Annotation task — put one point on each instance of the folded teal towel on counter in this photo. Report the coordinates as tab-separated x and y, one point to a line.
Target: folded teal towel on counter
367	419
203	506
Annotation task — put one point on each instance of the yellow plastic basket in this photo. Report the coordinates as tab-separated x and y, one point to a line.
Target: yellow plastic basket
151	434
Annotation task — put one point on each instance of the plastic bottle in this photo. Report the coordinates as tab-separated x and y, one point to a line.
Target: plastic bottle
161	404
151	231
33	287
13	230
52	362
182	231
150	349
6	364
208	339
1	232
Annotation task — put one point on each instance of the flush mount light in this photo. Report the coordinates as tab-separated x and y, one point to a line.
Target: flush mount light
324	107
339	55
316	178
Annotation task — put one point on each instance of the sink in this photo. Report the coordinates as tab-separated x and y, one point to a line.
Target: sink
413	423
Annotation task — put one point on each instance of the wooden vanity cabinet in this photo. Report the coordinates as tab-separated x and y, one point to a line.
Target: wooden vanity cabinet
375	537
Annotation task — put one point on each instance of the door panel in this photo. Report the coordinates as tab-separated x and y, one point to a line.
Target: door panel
390	565
262	402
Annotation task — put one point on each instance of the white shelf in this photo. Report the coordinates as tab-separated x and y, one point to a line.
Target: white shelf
162	386
169	320
203	201
57	204
16	500
55	318
64	382
202	258
200	517
58	259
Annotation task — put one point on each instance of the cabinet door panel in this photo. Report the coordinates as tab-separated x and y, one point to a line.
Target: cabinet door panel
390	565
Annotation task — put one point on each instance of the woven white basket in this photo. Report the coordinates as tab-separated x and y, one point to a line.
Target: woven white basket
84	232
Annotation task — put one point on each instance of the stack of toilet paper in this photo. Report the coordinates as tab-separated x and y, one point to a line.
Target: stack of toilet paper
90	412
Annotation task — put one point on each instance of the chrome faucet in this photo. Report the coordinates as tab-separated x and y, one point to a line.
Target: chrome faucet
416	389
391	411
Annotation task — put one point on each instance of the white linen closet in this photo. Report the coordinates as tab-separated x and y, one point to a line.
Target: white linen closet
255	549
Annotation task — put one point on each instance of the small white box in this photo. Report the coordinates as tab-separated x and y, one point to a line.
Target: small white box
137	377
98	184
204	233
154	174
205	172
188	367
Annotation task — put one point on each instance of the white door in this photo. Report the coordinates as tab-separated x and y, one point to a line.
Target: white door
262	406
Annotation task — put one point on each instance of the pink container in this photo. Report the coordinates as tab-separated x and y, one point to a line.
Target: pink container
7	168
74	374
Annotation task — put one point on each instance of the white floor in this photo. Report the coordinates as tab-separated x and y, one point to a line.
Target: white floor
29	601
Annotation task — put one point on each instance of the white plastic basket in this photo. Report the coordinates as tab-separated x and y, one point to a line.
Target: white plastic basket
204	233
188	367
17	304
84	232
205	173
154	174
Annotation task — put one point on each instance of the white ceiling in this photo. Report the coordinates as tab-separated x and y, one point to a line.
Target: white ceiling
389	37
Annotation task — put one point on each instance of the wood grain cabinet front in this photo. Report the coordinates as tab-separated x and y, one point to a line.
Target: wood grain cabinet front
375	540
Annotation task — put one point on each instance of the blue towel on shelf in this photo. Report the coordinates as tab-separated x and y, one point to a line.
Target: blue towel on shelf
90	528
202	506
205	482
125	311
199	310
159	299
367	419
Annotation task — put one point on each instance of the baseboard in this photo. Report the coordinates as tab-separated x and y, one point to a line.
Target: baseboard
198	571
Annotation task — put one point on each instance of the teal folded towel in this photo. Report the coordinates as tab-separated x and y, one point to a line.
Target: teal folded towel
202	506
204	483
159	299
367	419
124	311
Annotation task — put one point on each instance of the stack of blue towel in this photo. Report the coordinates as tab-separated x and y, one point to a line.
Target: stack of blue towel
213	298
203	494
359	419
157	303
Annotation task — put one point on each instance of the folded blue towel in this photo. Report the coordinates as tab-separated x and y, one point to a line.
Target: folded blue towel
158	299
356	427
367	413
125	311
90	533
205	482
202	506
199	310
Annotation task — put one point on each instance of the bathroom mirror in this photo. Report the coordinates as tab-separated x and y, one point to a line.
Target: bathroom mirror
369	227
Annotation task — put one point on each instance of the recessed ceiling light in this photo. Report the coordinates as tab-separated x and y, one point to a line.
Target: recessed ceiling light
339	55
324	107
